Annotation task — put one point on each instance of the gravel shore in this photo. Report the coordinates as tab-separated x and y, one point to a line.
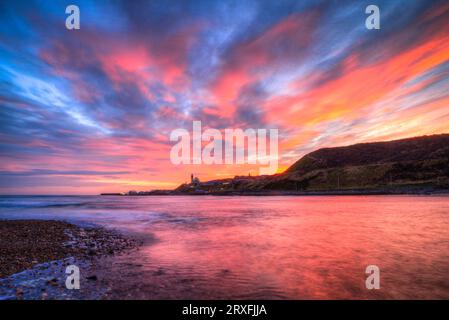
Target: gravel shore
25	243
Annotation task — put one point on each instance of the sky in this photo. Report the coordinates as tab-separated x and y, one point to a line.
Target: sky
91	110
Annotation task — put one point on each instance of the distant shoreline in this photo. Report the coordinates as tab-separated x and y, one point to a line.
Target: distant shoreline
413	166
411	191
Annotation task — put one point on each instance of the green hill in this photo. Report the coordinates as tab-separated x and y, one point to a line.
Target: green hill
408	165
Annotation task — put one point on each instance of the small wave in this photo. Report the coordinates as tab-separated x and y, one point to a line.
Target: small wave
42	205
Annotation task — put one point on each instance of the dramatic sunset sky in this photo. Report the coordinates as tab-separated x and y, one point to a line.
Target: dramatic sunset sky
91	110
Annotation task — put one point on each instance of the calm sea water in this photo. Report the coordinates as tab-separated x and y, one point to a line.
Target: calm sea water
266	247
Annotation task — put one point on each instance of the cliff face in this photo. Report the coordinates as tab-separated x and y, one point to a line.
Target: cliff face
408	164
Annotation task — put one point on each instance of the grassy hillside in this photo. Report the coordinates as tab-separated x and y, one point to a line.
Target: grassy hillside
406	150
415	162
420	163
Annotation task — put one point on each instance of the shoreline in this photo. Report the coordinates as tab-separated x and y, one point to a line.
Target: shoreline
34	255
349	192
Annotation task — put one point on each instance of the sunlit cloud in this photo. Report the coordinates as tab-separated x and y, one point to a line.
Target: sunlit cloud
91	111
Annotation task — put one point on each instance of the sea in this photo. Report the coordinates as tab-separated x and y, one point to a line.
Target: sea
266	247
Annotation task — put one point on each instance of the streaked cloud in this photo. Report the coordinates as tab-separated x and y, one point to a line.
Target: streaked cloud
91	111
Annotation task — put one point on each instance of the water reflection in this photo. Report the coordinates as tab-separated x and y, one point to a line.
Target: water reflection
269	247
